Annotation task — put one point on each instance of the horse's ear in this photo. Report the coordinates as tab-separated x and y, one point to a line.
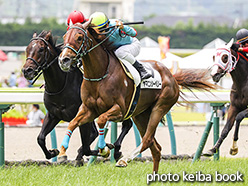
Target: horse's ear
230	43
34	35
48	36
70	23
86	24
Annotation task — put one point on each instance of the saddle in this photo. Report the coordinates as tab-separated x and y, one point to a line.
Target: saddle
154	82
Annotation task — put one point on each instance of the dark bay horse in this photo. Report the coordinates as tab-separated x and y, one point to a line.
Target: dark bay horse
228	60
107	91
42	55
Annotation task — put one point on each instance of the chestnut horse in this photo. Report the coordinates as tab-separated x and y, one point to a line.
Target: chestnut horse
107	91
42	56
228	60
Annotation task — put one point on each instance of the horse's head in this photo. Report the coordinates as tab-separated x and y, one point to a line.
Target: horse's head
224	62
38	53
76	44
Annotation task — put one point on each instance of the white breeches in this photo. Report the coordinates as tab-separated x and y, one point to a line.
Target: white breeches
129	52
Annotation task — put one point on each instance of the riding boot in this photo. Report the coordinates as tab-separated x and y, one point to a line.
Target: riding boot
142	71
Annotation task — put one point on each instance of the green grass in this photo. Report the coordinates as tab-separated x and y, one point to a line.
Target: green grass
108	174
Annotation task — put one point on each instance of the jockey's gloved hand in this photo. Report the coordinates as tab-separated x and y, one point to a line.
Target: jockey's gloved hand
119	24
235	47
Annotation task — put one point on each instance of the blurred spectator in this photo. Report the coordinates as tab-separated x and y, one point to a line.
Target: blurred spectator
5	83
224	110
36	116
21	81
12	80
30	83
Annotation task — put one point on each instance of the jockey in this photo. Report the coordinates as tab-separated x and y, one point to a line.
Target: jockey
75	17
126	45
242	39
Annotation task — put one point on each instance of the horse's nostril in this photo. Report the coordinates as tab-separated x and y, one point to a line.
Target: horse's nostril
65	59
29	70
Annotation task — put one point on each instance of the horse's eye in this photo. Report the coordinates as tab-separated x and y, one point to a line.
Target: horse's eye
41	49
225	58
80	38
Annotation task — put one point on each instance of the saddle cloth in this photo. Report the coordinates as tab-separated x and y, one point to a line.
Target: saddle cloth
154	82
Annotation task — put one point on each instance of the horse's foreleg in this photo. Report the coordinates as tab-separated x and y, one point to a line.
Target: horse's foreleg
141	123
88	133
48	125
232	113
239	118
81	118
112	114
124	160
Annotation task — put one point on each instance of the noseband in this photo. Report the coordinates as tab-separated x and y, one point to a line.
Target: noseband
44	65
231	63
80	52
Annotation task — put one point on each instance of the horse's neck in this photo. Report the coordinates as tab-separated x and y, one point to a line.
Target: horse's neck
239	75
96	62
54	77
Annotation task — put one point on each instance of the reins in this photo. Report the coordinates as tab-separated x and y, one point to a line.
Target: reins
44	65
242	56
56	93
41	69
81	53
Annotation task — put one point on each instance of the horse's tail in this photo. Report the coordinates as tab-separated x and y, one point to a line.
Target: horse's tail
196	79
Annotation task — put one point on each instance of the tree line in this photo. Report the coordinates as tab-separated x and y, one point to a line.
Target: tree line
182	35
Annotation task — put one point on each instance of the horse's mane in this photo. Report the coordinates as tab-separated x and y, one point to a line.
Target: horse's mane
100	37
52	41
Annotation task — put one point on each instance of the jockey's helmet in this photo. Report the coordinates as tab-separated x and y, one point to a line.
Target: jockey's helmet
75	17
99	20
242	35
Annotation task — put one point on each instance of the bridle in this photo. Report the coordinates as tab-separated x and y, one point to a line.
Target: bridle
231	63
44	65
88	43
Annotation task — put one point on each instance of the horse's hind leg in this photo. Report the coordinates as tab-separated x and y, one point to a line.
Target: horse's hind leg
156	154
239	118
126	126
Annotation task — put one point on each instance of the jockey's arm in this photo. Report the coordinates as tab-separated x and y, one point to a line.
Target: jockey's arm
129	31
244	49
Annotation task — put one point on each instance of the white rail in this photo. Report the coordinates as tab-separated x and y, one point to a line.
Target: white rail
33	95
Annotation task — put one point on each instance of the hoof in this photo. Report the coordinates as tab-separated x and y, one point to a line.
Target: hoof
117	156
54	152
208	153
78	163
62	159
121	163
110	145
105	152
234	151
